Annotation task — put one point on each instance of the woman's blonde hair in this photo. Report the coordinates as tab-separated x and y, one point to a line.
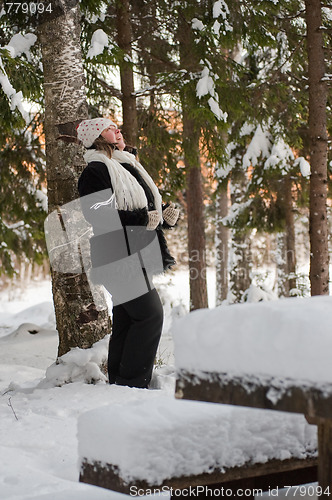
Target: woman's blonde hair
101	144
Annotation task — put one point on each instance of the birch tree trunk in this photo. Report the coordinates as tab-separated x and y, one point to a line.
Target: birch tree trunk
241	257
79	323
286	243
124	40
319	256
222	236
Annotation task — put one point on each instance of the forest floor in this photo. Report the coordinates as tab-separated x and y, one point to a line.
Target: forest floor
38	432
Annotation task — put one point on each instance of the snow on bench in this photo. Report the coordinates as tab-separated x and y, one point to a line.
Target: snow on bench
273	355
152	443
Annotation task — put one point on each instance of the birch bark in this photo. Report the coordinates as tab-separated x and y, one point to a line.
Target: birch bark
78	321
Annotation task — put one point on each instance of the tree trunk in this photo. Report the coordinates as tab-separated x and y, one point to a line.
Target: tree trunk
281	261
241	257
222	236
286	243
196	222
194	181
124	40
319	257
241	263
79	323
290	235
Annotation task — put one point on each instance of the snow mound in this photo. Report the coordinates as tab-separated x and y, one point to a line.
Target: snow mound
78	365
183	437
288	338
43	311
25	330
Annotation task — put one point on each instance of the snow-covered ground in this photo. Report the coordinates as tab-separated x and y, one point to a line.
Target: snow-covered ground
38	442
38	431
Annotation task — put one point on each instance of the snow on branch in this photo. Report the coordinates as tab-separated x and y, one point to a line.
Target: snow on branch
99	41
221	10
21	44
235	212
15	98
277	153
281	156
206	86
259	146
304	166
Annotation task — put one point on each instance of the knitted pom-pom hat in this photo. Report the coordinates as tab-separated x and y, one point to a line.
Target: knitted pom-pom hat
89	130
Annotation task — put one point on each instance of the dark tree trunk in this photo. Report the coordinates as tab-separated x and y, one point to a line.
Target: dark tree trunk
194	187
222	236
124	39
79	323
319	257
196	221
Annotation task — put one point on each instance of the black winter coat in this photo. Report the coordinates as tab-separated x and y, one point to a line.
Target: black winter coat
105	244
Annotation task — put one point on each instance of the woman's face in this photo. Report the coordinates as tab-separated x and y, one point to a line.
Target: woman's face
110	134
113	135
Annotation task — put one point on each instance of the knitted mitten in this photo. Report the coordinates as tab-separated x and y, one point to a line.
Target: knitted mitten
154	219
171	214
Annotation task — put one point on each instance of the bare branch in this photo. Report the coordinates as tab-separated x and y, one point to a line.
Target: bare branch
11	406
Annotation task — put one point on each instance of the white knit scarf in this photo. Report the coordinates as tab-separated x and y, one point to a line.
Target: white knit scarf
129	194
126	157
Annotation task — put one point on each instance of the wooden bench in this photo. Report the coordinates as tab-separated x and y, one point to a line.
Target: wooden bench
164	445
301	330
200	359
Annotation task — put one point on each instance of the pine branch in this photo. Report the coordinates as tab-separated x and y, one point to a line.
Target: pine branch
113	91
166	62
301	13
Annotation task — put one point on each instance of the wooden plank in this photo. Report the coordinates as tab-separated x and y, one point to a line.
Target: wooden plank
262	476
256	392
325	457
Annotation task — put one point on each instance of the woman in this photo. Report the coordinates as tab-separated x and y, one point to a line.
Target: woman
124	206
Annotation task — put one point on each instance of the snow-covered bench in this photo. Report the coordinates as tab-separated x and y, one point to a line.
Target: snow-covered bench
162	444
272	355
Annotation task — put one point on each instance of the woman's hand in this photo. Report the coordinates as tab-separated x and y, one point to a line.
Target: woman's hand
171	214
154	219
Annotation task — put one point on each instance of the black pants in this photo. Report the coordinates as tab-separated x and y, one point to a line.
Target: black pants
136	332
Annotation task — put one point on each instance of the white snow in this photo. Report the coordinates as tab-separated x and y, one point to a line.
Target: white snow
38	429
259	146
39	416
220	8
287	338
164	437
304	166
99	41
15	98
21	44
216	110
206	86
281	156
197	24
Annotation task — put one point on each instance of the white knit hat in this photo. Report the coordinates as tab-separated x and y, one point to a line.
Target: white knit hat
89	130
